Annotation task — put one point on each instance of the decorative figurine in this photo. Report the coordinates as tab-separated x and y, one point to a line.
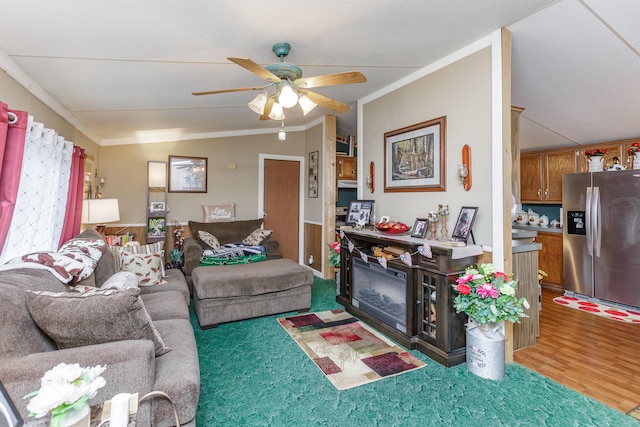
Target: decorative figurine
432	216
443	211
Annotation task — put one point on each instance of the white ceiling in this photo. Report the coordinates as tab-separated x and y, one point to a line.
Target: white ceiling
123	71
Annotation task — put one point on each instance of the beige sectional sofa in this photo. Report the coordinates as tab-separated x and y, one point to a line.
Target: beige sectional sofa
134	365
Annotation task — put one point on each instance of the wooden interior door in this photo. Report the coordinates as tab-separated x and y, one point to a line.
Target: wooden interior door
282	204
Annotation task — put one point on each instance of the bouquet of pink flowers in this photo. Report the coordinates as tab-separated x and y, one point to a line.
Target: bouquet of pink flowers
334	254
488	296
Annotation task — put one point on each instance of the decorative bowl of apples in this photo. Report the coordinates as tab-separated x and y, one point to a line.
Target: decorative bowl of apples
393	227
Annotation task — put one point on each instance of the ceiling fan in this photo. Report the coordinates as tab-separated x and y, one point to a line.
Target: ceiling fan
287	87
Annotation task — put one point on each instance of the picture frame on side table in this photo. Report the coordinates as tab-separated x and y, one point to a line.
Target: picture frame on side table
414	157
464	223
420	228
359	212
187	174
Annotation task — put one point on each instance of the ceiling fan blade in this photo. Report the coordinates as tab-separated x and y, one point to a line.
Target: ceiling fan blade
345	78
267	108
239	89
326	102
255	68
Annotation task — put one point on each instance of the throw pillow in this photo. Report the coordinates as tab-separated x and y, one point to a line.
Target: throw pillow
147	267
219	213
77	319
136	248
121	280
257	236
209	239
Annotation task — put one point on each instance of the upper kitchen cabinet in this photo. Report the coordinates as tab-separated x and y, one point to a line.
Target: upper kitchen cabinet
347	168
541	175
613	149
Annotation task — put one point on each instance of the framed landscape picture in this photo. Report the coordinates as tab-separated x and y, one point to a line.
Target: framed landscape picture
414	157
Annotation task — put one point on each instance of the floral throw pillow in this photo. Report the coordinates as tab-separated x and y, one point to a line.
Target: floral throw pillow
147	267
209	239
257	236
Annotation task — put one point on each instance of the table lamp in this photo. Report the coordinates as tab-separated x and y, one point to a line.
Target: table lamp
99	212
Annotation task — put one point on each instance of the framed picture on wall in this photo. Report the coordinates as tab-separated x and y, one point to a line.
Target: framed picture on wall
313	173
464	223
414	157
187	174
359	212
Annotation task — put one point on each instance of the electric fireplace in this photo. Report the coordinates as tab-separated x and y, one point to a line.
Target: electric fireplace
380	292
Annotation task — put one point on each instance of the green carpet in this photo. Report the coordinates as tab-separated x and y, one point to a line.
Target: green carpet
254	374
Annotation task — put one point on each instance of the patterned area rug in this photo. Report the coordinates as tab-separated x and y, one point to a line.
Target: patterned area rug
347	351
635	413
600	309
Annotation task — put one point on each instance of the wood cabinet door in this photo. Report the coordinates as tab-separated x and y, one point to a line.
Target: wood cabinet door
550	258
531	178
557	164
347	168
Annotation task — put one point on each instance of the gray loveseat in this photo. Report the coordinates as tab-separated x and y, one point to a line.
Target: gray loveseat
26	352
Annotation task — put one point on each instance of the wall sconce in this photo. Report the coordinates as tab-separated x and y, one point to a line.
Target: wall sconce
371	178
464	170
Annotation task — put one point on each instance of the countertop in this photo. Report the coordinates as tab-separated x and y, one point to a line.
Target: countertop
537	228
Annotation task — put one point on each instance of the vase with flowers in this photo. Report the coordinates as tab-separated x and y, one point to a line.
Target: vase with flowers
64	392
334	261
489	298
595	159
634	153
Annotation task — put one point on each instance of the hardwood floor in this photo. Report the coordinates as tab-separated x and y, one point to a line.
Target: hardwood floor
593	355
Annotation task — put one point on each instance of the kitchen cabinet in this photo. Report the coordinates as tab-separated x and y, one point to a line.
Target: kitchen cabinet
347	167
541	175
613	149
550	257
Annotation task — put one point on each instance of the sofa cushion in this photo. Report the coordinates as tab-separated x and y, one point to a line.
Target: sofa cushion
225	232
257	236
175	282
76	319
121	280
137	248
147	267
165	305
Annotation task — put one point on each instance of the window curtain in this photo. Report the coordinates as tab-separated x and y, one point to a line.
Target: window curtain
74	199
13	129
41	205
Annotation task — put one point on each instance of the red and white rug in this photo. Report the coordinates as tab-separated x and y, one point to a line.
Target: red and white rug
601	309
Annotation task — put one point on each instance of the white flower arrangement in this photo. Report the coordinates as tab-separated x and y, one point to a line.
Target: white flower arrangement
63	388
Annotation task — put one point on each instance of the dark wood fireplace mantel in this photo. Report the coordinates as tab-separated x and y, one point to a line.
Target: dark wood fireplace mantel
432	325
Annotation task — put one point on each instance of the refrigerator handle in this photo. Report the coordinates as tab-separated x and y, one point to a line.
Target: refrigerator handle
597	220
587	220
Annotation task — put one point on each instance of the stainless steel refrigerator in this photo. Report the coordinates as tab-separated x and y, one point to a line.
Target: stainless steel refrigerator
601	235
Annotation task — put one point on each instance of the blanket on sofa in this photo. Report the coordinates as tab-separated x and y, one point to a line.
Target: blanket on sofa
73	262
234	253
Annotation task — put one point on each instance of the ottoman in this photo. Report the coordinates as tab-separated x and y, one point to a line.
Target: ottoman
234	292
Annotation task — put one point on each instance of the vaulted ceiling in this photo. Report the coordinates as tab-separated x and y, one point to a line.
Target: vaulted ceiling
124	71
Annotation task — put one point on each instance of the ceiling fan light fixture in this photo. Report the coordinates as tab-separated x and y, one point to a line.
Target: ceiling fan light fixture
258	103
276	112
288	97
306	104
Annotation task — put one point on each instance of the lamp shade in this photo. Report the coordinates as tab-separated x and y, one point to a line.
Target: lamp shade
100	211
288	98
157	174
258	103
306	104
276	112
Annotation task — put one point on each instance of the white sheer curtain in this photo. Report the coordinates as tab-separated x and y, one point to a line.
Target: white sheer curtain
41	203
